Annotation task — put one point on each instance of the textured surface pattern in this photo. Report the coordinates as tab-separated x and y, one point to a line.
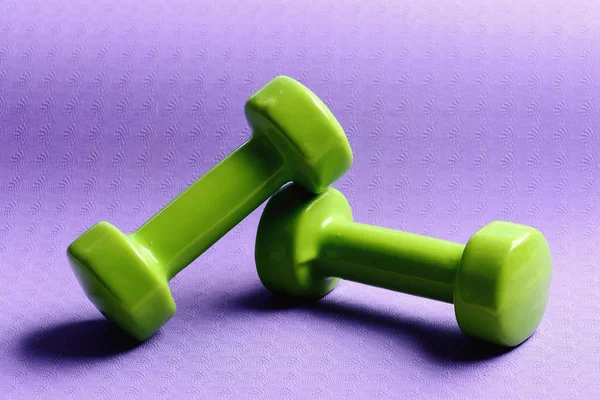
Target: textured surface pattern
459	112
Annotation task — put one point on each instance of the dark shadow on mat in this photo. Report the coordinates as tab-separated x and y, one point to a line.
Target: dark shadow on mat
441	343
72	341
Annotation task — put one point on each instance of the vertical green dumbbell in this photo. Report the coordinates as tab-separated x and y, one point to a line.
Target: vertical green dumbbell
499	282
295	138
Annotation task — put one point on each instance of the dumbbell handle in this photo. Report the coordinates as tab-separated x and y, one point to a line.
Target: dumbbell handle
213	205
390	259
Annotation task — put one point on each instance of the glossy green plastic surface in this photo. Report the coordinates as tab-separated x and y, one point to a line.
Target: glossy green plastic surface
295	138
499	282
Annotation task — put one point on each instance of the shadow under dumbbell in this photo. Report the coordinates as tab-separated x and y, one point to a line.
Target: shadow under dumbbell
78	341
441	343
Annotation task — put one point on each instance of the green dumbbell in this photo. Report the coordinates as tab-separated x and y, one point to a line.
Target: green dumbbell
499	282
295	138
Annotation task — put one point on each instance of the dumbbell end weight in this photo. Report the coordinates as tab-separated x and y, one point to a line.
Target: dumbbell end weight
503	283
121	280
498	282
313	143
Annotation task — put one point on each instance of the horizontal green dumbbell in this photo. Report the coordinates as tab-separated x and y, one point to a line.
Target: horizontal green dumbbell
295	138
499	282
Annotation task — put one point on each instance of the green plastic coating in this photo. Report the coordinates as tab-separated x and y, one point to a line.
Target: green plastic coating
189	224
395	260
295	137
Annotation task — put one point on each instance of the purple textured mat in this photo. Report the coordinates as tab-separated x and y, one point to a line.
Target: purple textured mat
459	113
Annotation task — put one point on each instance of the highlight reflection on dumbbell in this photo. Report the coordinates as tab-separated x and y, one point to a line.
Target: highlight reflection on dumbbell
295	138
499	282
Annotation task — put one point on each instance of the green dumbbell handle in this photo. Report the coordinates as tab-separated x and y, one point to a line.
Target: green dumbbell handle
213	205
390	259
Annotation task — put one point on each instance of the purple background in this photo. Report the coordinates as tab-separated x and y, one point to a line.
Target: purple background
458	112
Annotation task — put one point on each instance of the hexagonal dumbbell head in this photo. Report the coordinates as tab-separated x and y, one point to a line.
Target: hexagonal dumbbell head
289	239
305	131
503	282
295	137
121	280
499	282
